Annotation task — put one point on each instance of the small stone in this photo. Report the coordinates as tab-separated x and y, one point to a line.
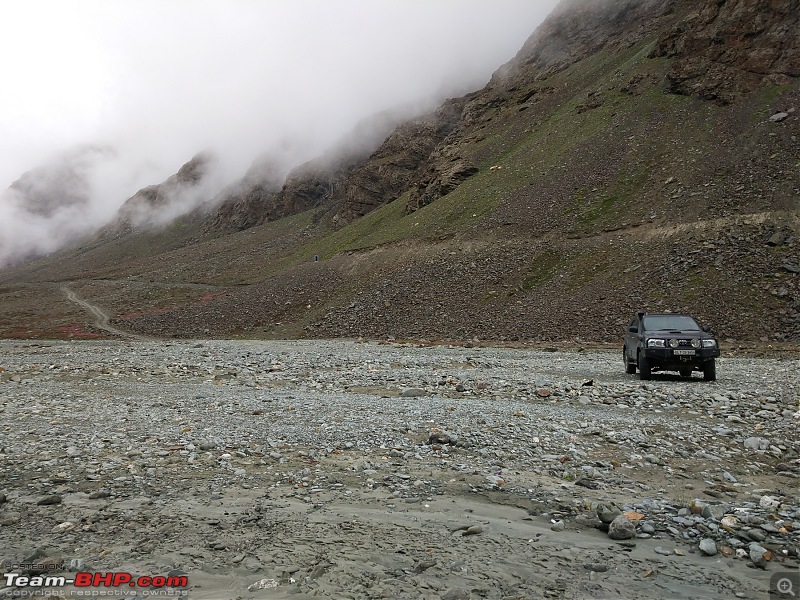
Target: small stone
653	459
263	584
756	535
412	393
779	116
756	443
663	551
438	437
729	522
557	526
474	530
708	547
621	528
759	555
713	511
776	239
496	480
769	502
49	500
607	513
455	594
62	527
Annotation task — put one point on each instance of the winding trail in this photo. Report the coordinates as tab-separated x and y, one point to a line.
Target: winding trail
101	319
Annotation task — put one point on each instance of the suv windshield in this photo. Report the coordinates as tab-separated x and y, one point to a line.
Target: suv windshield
670	322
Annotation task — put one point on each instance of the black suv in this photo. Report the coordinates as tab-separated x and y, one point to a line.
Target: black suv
669	342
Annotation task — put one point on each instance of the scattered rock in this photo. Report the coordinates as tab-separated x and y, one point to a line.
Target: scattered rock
413	393
776	239
621	528
608	513
708	547
756	443
473	530
456	594
759	555
50	500
439	437
263	584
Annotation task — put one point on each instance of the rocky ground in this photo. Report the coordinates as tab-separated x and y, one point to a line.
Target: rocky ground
339	469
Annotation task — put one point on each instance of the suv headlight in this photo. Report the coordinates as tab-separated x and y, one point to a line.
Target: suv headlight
673	343
709	343
655	343
695	343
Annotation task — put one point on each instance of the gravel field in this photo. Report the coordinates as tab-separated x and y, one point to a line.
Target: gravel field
340	469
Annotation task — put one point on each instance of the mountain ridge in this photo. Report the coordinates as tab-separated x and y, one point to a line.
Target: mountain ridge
584	182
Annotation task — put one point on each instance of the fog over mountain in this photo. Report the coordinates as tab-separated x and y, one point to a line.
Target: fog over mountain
152	83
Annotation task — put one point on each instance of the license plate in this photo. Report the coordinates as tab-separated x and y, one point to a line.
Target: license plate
683	352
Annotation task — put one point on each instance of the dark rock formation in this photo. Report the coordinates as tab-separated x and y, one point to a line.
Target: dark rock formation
270	190
398	163
150	204
246	202
726	49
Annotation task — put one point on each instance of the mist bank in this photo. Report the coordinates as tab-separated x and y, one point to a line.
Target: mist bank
235	80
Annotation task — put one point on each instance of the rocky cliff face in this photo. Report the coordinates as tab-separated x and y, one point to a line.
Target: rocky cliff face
579	28
247	202
270	190
399	164
725	49
159	203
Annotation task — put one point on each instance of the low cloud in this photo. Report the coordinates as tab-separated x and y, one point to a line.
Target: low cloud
154	82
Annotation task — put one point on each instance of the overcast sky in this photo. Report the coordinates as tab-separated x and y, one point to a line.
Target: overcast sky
160	80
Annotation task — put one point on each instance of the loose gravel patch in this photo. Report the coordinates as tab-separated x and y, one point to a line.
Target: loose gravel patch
340	469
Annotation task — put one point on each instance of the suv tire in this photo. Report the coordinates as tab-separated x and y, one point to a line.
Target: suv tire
630	368
644	368
710	370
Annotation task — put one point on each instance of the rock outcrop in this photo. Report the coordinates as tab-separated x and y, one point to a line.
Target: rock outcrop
246	202
162	202
722	50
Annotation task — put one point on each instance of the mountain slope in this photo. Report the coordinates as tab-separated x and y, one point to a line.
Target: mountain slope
608	167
